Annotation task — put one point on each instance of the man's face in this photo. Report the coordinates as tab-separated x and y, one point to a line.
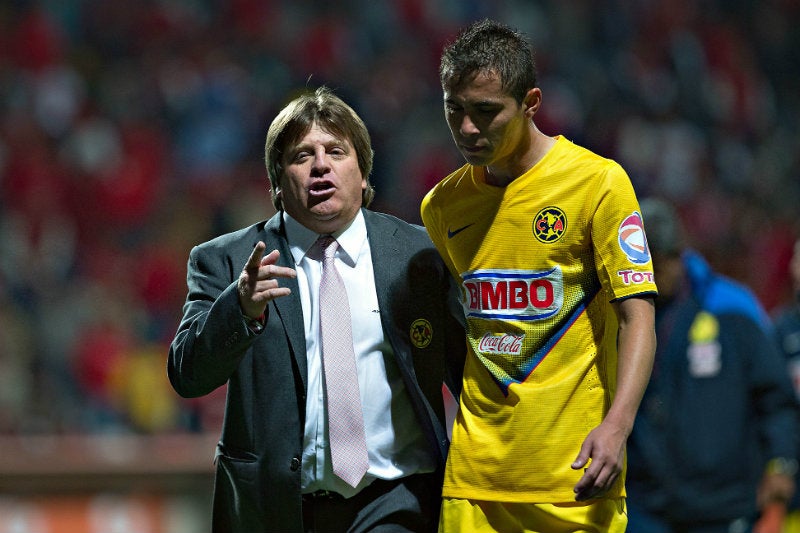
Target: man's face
488	125
322	185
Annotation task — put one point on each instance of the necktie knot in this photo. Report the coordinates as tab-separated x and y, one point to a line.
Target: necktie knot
328	245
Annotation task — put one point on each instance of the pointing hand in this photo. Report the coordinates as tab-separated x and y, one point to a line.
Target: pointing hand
258	282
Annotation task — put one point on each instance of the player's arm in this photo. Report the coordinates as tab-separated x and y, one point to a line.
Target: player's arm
605	445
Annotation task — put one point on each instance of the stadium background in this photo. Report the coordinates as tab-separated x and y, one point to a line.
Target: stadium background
130	131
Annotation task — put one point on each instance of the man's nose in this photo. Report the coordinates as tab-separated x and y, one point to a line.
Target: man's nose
467	126
321	163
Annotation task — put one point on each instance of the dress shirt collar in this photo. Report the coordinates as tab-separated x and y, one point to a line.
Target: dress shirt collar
351	239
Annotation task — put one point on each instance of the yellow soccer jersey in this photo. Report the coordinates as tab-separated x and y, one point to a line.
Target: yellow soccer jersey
539	263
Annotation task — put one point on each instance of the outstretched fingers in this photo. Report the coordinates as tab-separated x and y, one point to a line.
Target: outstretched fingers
258	283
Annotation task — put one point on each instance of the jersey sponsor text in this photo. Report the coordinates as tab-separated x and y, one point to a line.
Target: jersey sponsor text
513	294
505	343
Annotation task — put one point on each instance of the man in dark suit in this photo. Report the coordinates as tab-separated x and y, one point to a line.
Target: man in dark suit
252	320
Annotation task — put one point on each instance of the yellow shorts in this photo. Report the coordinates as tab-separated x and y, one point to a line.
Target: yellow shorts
476	516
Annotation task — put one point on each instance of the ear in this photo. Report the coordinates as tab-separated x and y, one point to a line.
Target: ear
532	101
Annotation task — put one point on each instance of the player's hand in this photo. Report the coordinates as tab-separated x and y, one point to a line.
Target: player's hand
604	451
258	282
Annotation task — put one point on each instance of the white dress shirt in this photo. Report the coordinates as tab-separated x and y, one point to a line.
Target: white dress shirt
395	441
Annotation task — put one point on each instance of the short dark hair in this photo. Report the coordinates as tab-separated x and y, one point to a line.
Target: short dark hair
489	46
331	114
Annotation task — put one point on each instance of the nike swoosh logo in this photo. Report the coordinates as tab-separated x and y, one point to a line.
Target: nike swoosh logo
453	233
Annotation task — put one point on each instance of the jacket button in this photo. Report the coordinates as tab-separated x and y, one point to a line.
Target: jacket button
295	464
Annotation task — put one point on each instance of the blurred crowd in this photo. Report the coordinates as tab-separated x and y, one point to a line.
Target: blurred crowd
131	131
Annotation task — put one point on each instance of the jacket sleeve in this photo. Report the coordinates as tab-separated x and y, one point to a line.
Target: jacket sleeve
212	336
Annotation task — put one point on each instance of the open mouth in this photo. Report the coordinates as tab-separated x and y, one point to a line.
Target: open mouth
321	188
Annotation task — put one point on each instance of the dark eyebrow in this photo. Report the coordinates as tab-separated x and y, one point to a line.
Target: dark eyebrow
487	103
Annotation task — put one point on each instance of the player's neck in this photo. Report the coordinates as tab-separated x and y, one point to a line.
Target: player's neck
518	164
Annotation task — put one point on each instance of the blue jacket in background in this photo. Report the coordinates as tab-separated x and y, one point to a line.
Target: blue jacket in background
719	404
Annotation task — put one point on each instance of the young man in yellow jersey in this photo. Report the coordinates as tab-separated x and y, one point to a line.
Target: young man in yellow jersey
547	242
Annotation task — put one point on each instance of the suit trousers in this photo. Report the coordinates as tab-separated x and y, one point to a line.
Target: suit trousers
409	504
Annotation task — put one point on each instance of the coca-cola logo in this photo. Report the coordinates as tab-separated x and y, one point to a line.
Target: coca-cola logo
504	343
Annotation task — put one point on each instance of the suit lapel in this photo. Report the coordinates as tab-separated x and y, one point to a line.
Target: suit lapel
383	252
288	308
386	256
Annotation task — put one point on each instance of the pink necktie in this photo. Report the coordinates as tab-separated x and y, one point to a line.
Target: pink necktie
345	419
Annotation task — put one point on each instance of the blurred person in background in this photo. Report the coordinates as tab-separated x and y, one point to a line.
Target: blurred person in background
714	447
787	328
252	320
546	239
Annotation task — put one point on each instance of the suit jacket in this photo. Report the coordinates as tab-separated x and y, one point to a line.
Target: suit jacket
257	485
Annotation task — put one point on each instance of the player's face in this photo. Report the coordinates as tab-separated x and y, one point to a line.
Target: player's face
322	185
488	125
